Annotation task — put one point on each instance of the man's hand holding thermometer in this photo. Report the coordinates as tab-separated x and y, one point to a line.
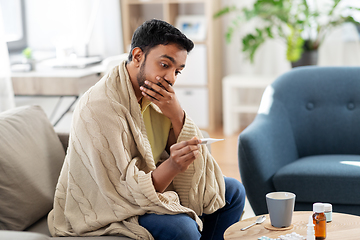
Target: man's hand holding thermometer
209	140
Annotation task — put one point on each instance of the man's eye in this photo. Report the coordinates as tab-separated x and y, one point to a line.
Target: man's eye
164	65
177	73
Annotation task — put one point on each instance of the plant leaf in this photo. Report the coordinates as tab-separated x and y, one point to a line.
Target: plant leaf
224	11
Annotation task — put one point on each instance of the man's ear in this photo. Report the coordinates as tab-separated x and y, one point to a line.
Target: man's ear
137	54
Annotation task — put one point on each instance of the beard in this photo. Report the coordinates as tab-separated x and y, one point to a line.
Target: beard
141	77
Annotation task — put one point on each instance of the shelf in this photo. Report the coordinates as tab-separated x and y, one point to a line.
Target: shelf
233	85
143	2
247	81
187	1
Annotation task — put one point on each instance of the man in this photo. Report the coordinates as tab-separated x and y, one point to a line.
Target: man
134	165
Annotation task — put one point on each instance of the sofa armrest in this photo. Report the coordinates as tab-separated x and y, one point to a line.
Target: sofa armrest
64	139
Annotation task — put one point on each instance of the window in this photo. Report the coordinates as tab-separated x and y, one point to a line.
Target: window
14	24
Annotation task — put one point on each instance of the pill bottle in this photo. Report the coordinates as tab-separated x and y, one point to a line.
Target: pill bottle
328	212
319	221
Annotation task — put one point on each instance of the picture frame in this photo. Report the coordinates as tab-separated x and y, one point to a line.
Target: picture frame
193	26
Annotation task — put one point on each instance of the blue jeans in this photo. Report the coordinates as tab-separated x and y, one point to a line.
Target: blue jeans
183	227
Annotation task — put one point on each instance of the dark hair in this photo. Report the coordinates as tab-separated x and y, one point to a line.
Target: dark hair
157	32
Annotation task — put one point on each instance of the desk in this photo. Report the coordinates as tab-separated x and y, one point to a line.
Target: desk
231	107
343	226
55	82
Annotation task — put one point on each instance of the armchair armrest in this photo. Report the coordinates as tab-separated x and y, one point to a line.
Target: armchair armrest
264	147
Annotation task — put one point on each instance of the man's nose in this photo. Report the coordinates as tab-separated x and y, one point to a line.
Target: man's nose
170	78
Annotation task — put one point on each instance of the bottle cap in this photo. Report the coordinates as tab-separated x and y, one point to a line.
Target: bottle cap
318	207
327	207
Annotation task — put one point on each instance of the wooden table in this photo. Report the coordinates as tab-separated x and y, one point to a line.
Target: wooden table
343	226
55	82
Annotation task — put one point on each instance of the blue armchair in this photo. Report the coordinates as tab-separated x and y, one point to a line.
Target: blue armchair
306	139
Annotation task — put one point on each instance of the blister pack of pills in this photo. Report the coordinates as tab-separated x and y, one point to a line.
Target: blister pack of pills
267	238
290	236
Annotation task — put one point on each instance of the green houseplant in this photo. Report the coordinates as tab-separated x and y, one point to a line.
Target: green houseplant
301	24
28	58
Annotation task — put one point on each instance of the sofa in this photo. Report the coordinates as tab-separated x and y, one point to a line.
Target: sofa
305	139
31	157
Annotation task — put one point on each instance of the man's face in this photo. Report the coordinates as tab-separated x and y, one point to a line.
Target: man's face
165	61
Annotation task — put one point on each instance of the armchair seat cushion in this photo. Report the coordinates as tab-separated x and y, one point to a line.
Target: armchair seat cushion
322	178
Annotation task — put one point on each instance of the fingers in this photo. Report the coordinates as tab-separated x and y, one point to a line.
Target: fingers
155	91
163	95
158	89
186	149
184	153
151	94
184	156
152	90
165	84
192	142
190	156
162	83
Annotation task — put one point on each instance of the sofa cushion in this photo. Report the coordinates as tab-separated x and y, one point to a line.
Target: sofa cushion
31	158
41	226
16	235
322	178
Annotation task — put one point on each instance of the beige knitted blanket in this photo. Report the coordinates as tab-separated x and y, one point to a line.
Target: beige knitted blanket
105	182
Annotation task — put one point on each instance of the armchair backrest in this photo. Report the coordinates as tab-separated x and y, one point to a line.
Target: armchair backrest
322	105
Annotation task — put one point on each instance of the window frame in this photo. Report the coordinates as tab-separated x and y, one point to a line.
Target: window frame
19	45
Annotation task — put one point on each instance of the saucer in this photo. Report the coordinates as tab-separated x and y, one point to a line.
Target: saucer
272	228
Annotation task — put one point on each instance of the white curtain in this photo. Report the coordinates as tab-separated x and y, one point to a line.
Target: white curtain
6	91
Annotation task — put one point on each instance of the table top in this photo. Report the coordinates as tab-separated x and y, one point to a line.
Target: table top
343	226
44	71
